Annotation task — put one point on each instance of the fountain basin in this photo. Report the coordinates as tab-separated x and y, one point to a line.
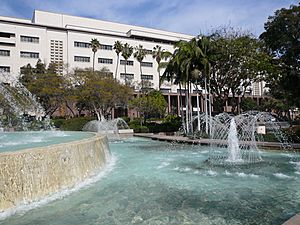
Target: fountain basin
31	174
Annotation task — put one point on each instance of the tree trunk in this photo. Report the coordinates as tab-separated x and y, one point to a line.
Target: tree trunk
187	109
181	108
94	61
125	78
67	105
141	76
97	113
117	67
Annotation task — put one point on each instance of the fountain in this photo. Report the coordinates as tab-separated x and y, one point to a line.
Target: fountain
20	110
233	144
235	139
111	128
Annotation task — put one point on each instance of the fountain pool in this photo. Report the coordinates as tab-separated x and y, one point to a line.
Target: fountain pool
13	141
166	183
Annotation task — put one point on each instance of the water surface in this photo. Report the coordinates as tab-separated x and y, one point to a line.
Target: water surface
13	141
163	183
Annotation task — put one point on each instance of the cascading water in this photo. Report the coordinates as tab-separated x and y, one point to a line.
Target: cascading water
233	144
20	110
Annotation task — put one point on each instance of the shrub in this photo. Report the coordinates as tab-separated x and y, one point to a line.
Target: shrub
72	124
139	128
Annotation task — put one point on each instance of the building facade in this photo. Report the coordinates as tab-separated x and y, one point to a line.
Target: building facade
65	39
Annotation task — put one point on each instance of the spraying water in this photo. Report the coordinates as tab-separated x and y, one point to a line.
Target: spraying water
233	144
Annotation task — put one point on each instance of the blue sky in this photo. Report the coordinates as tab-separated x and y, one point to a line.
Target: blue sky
186	16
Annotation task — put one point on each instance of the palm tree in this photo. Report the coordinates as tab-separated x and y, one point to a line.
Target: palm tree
95	45
118	47
189	60
140	54
126	53
158	54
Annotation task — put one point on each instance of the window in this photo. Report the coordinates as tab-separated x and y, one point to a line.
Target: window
127	75
4	52
146	77
82	44
106	47
147	64
6	35
4	69
33	55
105	61
148	51
7	44
81	59
29	39
129	62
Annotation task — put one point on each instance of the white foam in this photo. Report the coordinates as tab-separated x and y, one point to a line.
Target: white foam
227	173
247	175
185	169
162	165
241	174
26	206
297	172
212	173
282	176
287	154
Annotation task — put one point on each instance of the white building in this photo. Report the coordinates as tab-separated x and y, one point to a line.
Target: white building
54	37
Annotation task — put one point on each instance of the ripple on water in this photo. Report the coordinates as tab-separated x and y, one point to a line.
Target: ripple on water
282	176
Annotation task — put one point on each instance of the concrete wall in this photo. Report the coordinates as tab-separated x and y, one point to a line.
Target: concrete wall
32	174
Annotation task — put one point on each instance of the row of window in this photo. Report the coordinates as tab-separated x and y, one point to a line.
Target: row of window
131	76
110	61
4	52
4	69
30	39
32	55
88	45
105	61
35	55
22	37
103	47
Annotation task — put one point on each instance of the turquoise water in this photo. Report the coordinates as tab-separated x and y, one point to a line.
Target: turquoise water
163	183
19	140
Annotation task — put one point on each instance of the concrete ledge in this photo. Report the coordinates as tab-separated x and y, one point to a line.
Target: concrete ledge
295	220
126	131
182	139
32	174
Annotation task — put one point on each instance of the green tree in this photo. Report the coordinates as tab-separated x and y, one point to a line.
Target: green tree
118	47
99	92
95	45
152	104
126	53
238	60
51	89
282	36
140	54
187	62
